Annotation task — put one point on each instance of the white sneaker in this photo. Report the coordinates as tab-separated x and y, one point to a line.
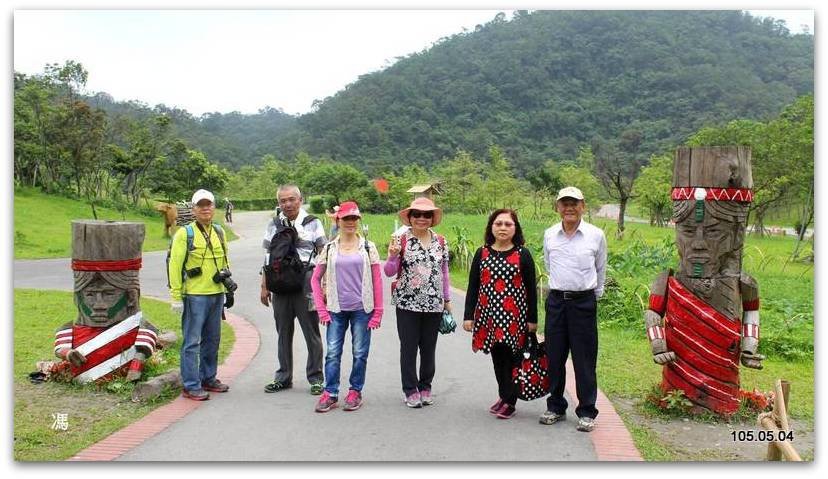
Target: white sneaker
413	400
585	424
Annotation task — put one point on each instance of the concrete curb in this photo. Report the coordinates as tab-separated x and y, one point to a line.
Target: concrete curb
611	439
119	442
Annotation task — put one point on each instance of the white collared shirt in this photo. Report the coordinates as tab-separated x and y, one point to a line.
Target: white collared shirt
576	263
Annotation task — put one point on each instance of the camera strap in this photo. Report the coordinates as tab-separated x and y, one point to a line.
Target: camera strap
210	246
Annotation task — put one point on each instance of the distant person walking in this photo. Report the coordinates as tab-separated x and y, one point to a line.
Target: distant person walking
228	211
419	259
575	255
332	217
309	238
350	297
501	302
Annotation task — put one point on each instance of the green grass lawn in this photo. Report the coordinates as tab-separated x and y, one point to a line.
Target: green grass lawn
43	224
94	412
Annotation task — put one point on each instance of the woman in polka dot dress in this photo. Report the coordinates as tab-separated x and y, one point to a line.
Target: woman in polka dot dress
501	302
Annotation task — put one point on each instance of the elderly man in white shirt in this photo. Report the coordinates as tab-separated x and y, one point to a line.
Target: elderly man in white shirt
575	254
290	306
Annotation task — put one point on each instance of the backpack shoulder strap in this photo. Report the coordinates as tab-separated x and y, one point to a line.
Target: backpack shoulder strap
190	239
308	219
219	232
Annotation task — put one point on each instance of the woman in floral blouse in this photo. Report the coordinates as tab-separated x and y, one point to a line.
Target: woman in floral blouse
419	260
501	302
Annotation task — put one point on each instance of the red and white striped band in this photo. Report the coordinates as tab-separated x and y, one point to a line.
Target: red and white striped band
750	330
655	332
744	195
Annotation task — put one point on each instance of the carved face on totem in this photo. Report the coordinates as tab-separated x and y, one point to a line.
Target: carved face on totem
101	303
709	237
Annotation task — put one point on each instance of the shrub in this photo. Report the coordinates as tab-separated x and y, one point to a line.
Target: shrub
317	204
620	306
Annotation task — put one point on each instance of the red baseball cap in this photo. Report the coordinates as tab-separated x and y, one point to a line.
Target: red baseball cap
348	208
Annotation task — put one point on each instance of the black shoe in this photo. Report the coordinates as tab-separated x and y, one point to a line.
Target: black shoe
277	386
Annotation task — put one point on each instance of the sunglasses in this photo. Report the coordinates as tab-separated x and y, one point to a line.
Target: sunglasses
421	214
507	224
350	218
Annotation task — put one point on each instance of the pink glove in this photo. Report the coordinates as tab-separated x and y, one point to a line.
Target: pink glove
324	317
375	320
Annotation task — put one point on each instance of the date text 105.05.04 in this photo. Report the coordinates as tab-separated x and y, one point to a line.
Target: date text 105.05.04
761	435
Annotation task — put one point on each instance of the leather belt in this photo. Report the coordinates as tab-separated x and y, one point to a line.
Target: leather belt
568	295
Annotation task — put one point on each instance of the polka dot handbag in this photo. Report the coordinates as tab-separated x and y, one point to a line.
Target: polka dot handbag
530	371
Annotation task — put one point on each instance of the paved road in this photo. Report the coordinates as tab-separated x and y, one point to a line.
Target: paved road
250	425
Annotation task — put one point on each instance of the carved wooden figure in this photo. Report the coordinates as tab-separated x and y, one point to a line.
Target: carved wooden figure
703	319
109	336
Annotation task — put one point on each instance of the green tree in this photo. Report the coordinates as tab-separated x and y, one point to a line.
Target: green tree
461	180
184	171
653	186
331	178
500	183
583	179
617	165
545	183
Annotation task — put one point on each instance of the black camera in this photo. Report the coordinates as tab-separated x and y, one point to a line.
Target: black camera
229	300
223	276
192	273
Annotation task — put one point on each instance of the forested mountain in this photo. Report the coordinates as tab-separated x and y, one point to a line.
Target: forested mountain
546	82
540	86
231	139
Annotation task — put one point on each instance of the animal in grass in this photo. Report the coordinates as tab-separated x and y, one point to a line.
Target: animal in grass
170	213
109	337
703	319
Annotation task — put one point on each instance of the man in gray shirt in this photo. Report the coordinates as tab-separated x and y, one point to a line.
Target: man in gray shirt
575	254
286	307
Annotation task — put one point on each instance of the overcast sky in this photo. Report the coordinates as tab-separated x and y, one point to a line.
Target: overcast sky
207	61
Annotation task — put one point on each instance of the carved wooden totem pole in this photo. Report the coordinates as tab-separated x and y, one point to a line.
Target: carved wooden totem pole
703	320
109	336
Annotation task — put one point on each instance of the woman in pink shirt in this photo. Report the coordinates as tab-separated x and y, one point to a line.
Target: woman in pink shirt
351	297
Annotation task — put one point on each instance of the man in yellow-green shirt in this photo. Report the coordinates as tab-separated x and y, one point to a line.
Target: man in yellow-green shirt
198	282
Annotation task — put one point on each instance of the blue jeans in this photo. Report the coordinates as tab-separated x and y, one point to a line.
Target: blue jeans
201	326
360	343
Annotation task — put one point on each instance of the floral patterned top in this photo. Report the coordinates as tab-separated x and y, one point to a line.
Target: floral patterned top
422	275
501	298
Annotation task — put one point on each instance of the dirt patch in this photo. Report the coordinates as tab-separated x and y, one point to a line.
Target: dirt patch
697	440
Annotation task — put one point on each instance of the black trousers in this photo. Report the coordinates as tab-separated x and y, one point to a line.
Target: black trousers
417	332
504	361
572	326
286	307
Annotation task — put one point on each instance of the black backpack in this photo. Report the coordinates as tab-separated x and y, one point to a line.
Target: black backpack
285	271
